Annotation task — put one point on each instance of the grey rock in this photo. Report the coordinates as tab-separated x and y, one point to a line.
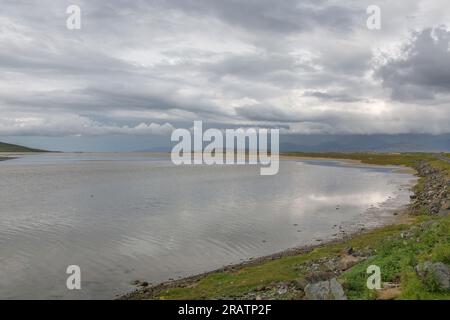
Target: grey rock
433	197
283	288
427	224
325	290
439	270
349	250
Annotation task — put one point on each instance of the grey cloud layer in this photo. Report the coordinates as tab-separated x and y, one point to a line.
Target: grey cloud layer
423	69
140	67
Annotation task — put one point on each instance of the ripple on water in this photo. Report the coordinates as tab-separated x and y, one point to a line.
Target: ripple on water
136	218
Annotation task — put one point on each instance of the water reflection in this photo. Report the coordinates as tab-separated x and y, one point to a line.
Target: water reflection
128	217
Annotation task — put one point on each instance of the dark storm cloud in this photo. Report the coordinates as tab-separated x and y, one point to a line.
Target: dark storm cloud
338	97
266	114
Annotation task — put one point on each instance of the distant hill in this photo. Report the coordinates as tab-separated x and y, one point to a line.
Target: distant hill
375	143
353	143
6	147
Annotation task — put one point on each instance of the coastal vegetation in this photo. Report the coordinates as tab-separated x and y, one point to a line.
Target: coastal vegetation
413	254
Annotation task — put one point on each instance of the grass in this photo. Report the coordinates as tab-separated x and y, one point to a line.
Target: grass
395	253
397	256
247	278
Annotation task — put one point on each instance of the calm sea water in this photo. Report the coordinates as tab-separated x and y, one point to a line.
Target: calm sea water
123	217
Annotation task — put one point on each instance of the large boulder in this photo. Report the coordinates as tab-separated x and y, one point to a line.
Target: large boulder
439	271
325	290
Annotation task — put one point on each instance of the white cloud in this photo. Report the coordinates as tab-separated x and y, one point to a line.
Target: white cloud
73	125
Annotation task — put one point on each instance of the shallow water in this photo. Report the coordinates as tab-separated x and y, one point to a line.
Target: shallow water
123	217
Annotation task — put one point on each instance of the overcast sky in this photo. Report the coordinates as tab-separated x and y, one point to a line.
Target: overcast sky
137	69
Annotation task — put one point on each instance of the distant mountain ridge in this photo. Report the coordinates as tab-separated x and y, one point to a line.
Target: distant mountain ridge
7	147
355	143
375	143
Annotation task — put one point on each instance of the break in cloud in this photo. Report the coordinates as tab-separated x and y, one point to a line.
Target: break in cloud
143	67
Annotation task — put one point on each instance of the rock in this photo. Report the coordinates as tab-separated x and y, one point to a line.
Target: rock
443	213
390	285
439	271
426	225
144	284
347	262
349	250
336	290
325	290
388	294
432	198
435	206
260	288
318	276
318	291
330	265
300	284
283	288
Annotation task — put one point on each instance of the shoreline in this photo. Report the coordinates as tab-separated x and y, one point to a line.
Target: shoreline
402	218
4	156
145	288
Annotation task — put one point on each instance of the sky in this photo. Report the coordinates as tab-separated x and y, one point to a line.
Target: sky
136	70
